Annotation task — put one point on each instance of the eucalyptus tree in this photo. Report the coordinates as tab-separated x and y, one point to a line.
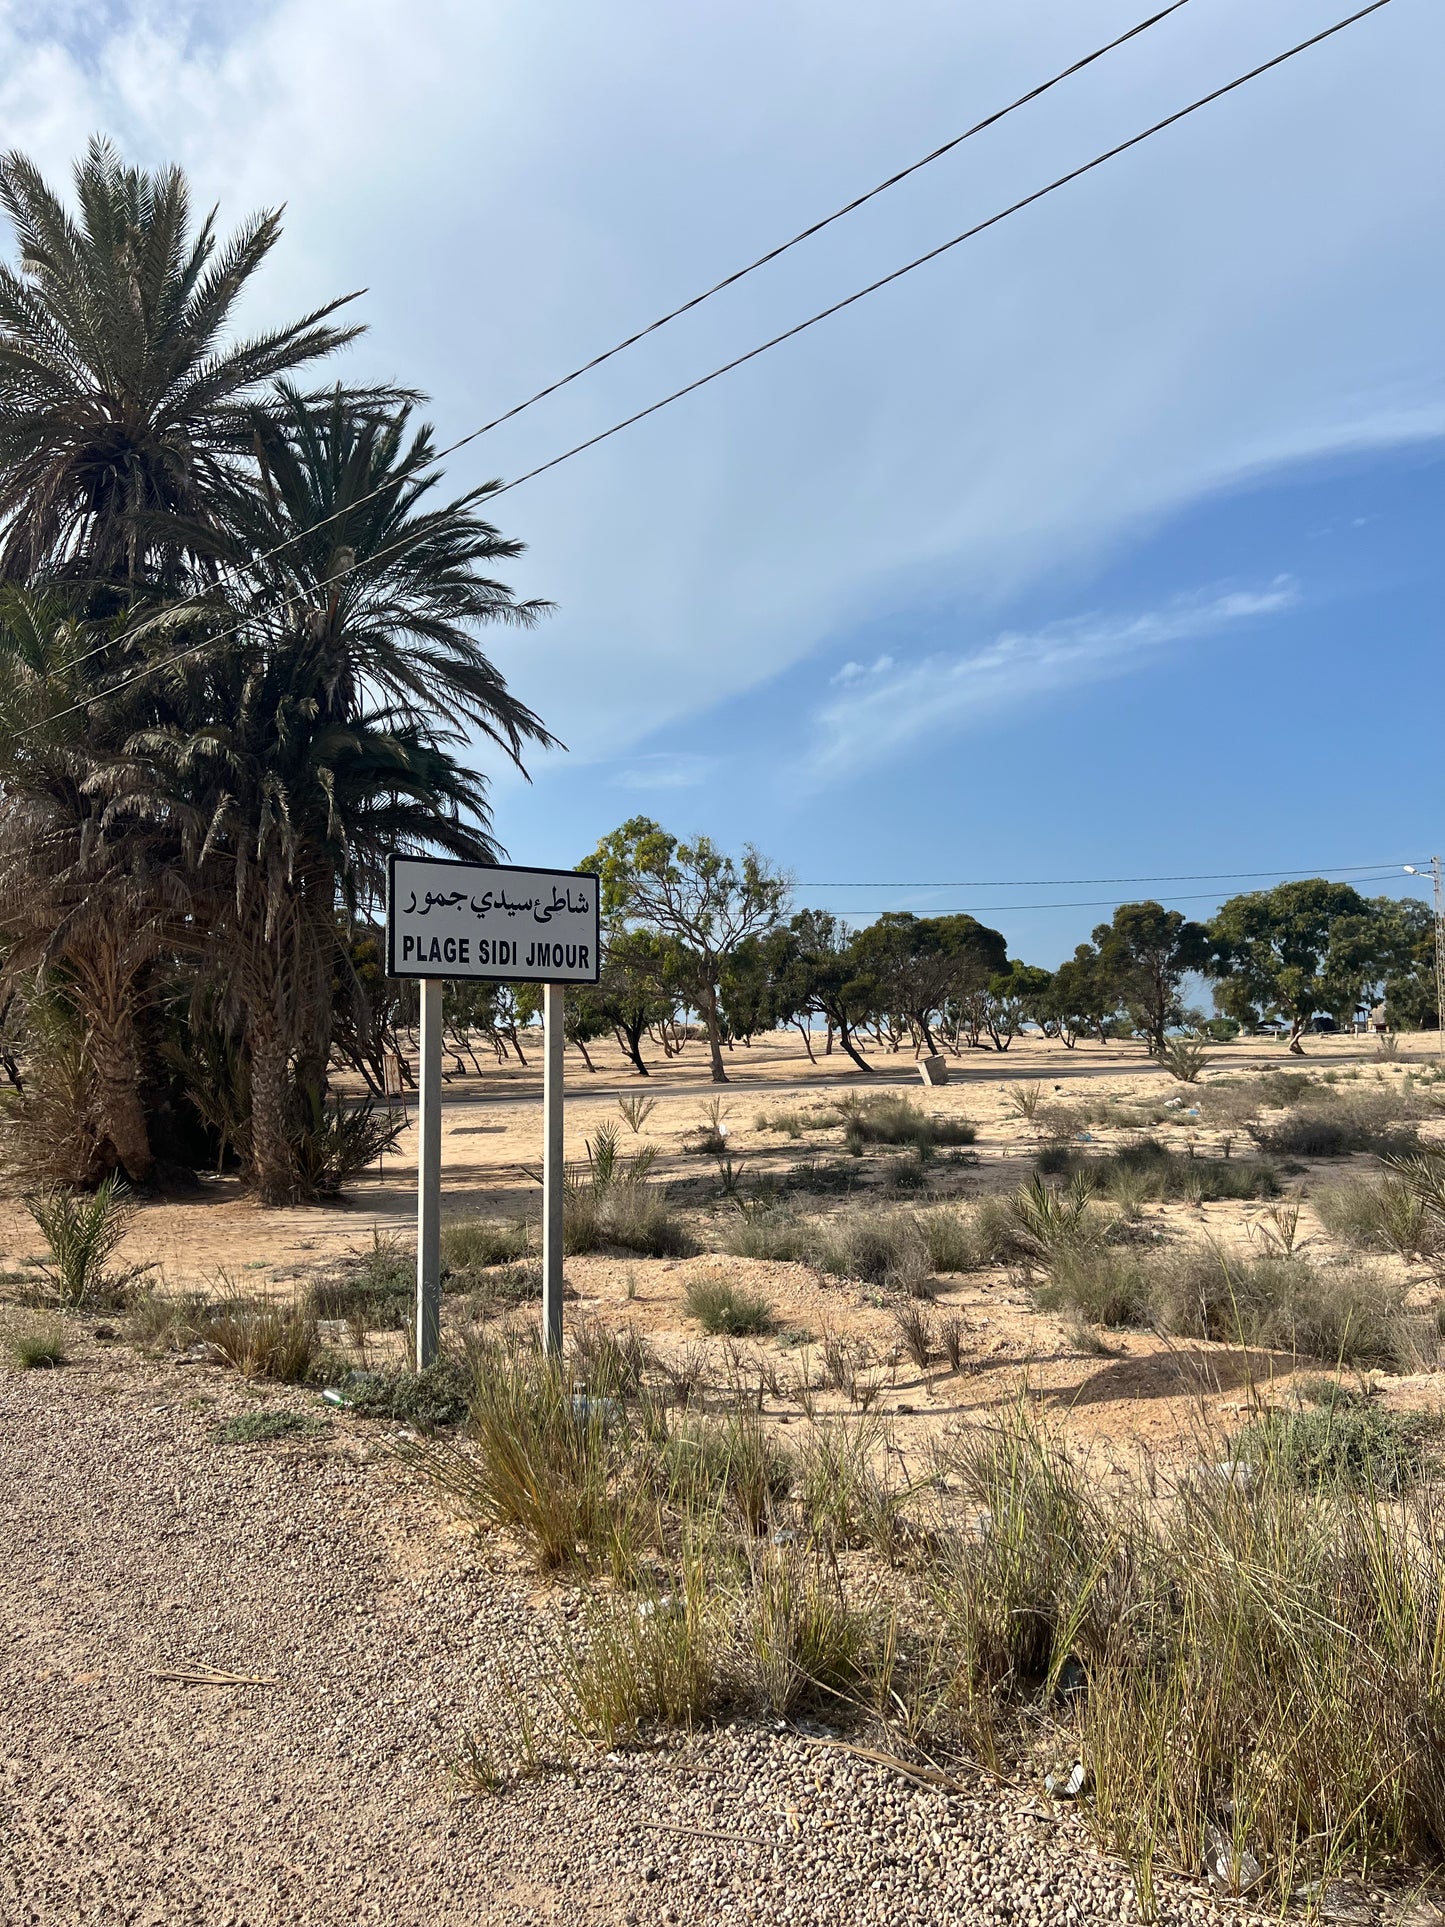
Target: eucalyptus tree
707	901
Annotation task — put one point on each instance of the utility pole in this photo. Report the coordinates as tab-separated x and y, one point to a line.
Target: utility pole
1410	870
1439	958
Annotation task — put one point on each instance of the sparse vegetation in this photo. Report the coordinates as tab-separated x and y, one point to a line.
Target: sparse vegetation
1385	1214
257	1428
636	1110
1341	1439
891	1119
610	1200
1184	1057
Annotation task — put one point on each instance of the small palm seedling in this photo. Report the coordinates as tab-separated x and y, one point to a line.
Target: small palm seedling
82	1234
1049	1222
1025	1100
951	1335
1277	1226
636	1111
1184	1057
711	1138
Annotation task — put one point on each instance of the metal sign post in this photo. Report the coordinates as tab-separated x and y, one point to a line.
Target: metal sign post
554	1001
494	923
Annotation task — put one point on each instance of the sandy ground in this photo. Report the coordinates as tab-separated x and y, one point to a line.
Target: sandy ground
375	1637
380	1635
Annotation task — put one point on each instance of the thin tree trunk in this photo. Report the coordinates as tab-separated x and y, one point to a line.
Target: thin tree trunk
714	1033
585	1058
807	1040
846	1040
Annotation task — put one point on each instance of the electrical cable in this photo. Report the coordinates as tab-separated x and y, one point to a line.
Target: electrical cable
1172	876
788	334
233	570
1098	903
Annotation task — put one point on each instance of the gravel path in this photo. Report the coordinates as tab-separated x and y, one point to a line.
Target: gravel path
131	1544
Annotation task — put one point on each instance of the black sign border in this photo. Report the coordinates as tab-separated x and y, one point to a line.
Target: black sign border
471	976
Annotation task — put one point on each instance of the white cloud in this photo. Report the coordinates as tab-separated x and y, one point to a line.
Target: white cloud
882	709
665	770
519	182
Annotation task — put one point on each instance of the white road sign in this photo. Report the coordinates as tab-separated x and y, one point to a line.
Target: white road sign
491	921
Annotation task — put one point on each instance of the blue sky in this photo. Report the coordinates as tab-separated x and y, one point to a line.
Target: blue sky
1107	546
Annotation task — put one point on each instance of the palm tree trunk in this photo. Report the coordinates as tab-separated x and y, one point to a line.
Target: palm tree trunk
272	1170
107	986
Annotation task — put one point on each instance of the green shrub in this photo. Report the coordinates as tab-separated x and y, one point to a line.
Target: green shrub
892	1119
1344	1440
255	1428
374	1292
429	1400
1101	1284
724	1310
968	1238
883	1248
1347	1315
610	1202
767	1230
258	1338
1184	1057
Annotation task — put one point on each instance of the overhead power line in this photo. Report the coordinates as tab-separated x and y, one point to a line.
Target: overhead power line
235	570
1061	883
1098	903
788	334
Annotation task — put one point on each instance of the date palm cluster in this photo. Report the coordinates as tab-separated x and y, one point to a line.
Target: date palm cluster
239	663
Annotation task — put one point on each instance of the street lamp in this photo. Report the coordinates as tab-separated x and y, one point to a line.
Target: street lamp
1411	871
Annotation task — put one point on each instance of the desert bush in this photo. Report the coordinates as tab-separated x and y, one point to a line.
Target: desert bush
83	1233
731	1465
916	1333
724	1309
610	1201
804	1637
431	1399
1146	1170
968	1238
1342	1439
892	1119
1049	1220
1383	1215
259	1339
846	1500
767	1229
1024	1099
636	1110
661	1660
336	1142
34	1347
1259	1667
791	1124
1336	1133
1349	1315
375	1292
540	1460
884	1248
1101	1284
608	1364
472	1244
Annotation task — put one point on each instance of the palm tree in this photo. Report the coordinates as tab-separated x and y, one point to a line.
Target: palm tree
318	733
125	412
85	910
